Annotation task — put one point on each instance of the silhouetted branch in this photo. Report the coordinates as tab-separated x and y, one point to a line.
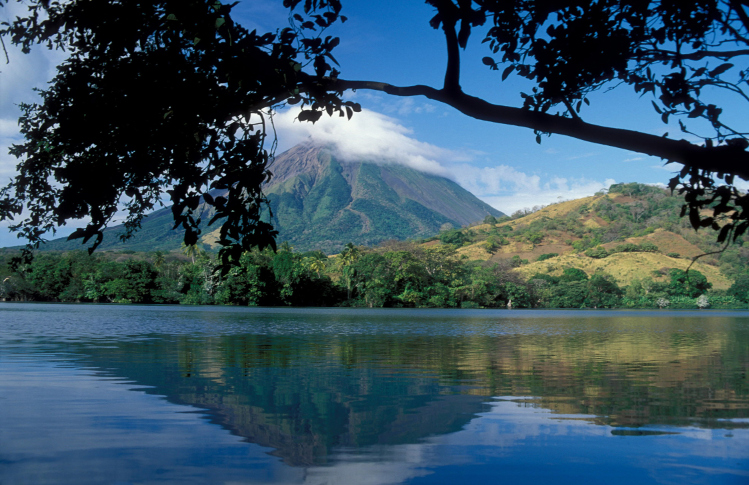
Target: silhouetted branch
449	15
739	9
7	59
664	55
721	159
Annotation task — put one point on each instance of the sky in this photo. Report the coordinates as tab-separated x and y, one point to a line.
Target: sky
391	41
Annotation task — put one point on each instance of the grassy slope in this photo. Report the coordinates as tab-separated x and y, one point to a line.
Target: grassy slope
623	266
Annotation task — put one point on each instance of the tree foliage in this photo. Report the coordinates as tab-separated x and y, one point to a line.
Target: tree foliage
154	96
407	276
170	95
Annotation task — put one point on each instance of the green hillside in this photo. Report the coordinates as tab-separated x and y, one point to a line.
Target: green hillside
624	249
319	203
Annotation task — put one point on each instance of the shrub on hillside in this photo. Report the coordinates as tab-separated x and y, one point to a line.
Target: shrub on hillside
645	247
453	236
552	280
546	256
573	274
626	248
598	252
535	237
493	243
648	247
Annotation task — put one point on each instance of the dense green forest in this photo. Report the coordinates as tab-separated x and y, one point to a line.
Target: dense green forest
393	275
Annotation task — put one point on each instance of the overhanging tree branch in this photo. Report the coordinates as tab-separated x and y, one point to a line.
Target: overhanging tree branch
183	80
721	159
739	9
665	55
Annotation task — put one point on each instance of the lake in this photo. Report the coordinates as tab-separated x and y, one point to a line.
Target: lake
173	394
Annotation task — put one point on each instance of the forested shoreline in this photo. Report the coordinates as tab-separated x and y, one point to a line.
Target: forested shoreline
398	274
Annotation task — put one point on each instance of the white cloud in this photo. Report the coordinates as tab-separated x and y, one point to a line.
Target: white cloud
634	159
375	137
672	167
367	136
582	155
740	184
8	136
17	80
393	105
508	189
553	191
483	181
407	106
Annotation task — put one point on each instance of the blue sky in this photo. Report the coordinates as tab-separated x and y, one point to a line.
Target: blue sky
391	41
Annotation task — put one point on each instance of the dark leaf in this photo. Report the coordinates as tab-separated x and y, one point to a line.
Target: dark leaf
697	111
78	233
507	72
720	69
694	217
436	21
723	234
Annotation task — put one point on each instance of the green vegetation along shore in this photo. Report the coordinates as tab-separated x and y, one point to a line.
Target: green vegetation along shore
397	275
627	248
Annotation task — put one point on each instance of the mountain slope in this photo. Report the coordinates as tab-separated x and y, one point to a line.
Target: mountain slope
318	202
321	203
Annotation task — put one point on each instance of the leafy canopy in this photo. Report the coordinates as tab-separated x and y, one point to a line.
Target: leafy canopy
173	95
153	97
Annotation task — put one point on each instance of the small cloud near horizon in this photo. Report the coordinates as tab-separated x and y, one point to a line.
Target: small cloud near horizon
552	192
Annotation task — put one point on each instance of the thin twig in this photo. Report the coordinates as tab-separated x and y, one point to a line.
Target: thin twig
571	110
7	59
720	251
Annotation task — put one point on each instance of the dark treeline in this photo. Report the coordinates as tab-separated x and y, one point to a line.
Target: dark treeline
392	275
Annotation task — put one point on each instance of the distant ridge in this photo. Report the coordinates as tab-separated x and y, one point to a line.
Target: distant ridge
319	202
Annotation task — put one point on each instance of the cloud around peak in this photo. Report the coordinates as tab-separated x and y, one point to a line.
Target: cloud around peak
368	136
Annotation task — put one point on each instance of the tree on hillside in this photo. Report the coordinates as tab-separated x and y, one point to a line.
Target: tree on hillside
172	94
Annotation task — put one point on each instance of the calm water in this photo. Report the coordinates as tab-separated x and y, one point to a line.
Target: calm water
136	394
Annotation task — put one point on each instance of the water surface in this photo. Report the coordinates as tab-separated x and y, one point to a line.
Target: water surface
164	394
